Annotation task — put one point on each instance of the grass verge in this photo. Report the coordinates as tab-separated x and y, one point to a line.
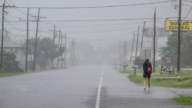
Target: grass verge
183	100
185	82
167	83
10	74
138	71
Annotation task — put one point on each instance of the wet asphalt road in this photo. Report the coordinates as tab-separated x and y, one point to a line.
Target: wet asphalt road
78	87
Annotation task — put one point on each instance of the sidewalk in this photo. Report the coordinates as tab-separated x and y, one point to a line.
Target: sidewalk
182	91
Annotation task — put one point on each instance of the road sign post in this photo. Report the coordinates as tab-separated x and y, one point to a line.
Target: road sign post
168	51
61	59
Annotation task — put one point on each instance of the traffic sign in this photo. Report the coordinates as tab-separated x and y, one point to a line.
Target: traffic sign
150	31
172	25
61	59
145	54
167	51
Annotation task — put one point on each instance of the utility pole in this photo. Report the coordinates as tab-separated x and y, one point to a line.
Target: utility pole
54	34
35	48
124	57
27	45
137	42
154	39
61	39
179	37
2	36
59	44
120	52
71	54
73	51
142	35
26	58
133	42
65	51
54	37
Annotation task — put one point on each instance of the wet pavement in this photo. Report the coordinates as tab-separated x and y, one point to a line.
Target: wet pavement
181	91
90	86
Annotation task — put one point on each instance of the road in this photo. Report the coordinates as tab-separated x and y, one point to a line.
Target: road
90	86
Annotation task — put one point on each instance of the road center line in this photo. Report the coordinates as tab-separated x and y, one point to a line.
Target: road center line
24	90
99	92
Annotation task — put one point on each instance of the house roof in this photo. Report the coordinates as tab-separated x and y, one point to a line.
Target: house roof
11	44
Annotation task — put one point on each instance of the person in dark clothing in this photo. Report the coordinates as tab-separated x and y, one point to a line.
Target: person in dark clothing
146	75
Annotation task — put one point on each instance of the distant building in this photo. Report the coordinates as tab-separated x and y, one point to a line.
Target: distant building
16	48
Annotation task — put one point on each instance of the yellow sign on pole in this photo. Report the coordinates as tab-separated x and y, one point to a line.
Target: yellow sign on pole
172	25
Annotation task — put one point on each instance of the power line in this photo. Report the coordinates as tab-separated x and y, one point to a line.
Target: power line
13	26
111	6
13	34
187	0
99	20
44	30
13	16
102	38
186	5
104	31
188	13
99	25
18	8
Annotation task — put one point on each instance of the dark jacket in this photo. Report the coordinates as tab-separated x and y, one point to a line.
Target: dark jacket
146	65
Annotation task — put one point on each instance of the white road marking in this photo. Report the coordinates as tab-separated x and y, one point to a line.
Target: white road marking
99	92
24	90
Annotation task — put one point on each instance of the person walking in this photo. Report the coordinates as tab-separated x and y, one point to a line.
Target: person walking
146	73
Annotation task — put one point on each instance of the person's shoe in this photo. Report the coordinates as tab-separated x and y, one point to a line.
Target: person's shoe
144	89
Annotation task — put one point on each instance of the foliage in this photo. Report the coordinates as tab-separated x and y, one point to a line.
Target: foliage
10	74
9	63
138	71
186	83
138	61
159	63
183	100
46	50
186	49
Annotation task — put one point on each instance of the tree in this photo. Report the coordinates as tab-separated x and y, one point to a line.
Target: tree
186	49
138	61
46	50
9	63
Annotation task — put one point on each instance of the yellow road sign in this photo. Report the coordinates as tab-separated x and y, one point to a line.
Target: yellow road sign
172	25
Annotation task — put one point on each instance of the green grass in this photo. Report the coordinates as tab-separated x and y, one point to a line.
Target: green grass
138	79
10	74
185	82
183	100
138	71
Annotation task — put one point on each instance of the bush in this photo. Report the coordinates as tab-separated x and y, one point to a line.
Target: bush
9	63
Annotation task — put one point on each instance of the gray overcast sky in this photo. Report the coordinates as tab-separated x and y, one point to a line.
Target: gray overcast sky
89	30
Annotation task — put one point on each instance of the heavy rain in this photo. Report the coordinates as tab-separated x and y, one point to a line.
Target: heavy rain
96	54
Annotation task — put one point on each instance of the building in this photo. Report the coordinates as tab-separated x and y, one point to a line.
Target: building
16	48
